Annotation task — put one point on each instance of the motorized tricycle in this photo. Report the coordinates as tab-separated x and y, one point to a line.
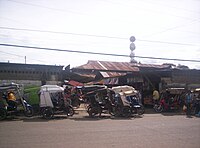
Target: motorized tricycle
136	106
99	102
18	105
122	107
171	99
128	93
52	101
112	101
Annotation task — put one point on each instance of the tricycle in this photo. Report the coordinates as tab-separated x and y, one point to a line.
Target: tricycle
171	100
130	98
13	102
52	101
99	102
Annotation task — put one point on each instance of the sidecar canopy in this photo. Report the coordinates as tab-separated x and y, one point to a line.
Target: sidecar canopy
45	91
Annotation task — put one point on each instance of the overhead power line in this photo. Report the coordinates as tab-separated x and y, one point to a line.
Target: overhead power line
59	32
96	53
17	55
92	35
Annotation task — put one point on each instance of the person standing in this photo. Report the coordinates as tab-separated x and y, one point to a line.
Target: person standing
188	102
156	96
197	105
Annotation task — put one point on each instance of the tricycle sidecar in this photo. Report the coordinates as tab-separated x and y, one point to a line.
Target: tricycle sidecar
12	101
52	101
129	100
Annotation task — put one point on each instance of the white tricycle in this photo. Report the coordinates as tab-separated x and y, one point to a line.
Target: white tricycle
52	102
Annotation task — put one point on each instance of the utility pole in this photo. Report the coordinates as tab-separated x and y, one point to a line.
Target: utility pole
25	59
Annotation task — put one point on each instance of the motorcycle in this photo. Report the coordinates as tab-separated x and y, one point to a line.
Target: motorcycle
14	107
136	106
173	104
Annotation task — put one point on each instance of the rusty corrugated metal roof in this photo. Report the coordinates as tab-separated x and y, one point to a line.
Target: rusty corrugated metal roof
83	78
109	66
111	74
150	66
86	75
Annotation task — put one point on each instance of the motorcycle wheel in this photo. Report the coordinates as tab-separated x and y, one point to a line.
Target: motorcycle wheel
94	111
47	113
158	108
112	111
126	112
141	110
70	111
2	114
117	111
29	112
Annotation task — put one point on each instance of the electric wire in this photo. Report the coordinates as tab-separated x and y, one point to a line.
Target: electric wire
20	56
93	35
95	53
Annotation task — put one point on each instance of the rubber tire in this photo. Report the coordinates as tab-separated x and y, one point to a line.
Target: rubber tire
94	111
159	108
112	111
3	114
47	113
117	111
126	112
70	111
29	112
141	110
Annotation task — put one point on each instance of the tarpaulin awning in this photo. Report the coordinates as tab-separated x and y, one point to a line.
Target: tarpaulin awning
74	83
111	74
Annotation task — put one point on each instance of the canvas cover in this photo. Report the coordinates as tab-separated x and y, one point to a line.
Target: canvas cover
127	90
45	98
124	91
51	88
8	86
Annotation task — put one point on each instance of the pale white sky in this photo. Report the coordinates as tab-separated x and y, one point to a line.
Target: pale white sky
173	26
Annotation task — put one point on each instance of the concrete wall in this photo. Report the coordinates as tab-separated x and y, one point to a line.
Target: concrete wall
30	82
30	74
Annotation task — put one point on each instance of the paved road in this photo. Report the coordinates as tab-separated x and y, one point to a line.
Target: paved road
79	131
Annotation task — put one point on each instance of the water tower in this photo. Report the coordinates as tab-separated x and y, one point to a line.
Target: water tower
132	48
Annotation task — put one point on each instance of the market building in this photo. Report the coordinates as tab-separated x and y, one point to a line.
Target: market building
144	77
109	73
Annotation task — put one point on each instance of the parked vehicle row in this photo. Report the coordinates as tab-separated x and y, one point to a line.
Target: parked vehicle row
117	101
120	101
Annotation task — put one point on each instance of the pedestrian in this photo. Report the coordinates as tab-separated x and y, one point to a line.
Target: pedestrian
166	96
188	102
197	105
156	96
